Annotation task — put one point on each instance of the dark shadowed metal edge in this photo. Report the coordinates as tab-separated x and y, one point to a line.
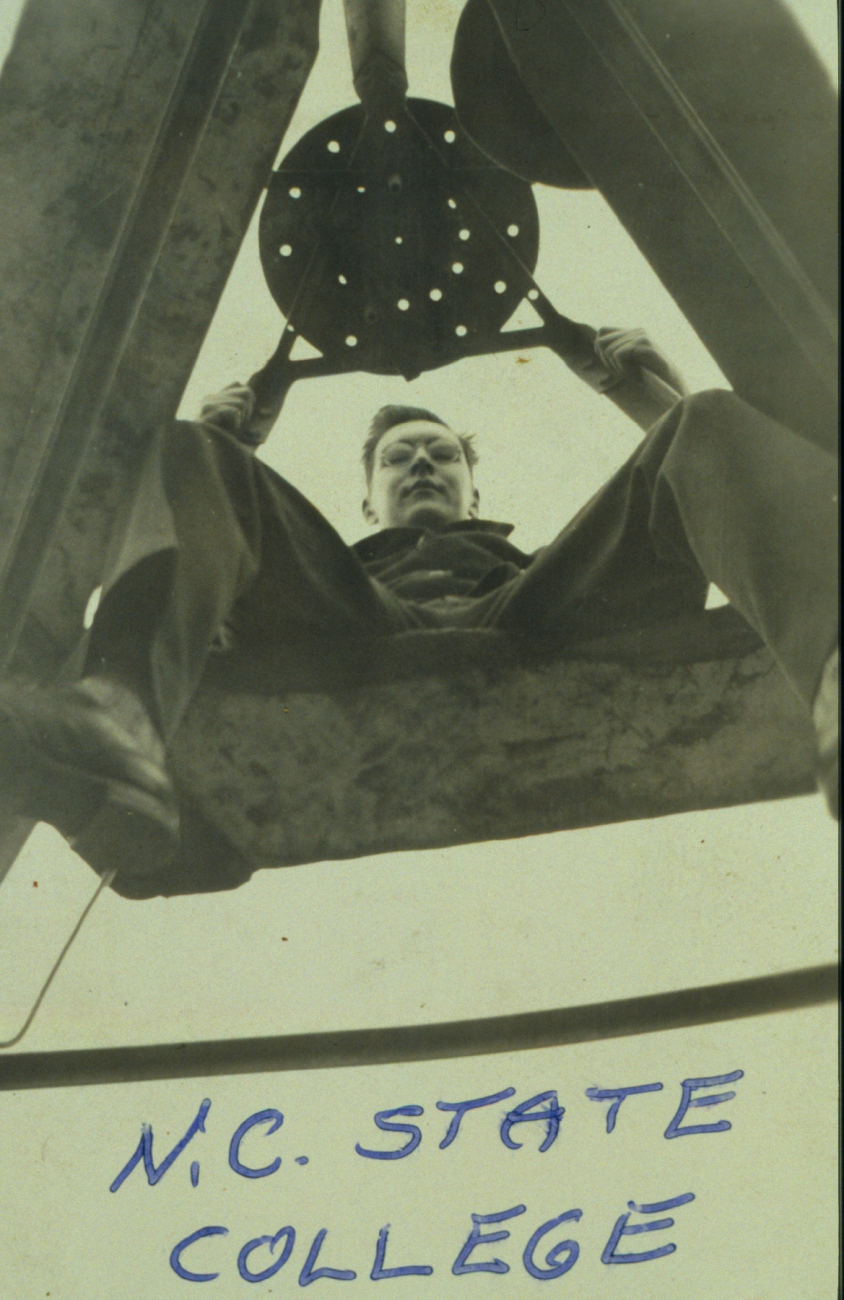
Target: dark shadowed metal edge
654	1013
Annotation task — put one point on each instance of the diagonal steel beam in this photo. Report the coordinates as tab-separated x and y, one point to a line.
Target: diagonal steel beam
135	141
221	190
134	243
710	129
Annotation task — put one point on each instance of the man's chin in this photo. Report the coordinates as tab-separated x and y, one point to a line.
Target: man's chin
427	512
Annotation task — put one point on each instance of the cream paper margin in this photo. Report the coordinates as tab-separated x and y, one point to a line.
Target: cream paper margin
480	930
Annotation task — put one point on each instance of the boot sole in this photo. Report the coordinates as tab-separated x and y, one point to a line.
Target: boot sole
112	824
132	833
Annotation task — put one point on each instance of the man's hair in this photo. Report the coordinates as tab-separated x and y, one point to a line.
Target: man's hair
389	416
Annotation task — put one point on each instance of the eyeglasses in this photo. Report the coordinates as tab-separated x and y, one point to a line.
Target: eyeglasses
402	453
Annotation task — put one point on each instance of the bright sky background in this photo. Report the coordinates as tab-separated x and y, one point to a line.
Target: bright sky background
477	930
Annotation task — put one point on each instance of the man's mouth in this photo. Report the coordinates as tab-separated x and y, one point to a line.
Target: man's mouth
422	485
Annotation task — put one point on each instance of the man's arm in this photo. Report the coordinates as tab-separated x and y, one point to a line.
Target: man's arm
230	411
623	364
249	411
626	366
642	381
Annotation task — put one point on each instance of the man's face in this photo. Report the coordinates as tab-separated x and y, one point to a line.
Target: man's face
420	478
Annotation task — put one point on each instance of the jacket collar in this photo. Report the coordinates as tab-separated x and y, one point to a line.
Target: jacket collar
389	540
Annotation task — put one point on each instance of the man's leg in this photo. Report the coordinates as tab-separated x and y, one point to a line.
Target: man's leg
716	493
757	507
231	535
212	527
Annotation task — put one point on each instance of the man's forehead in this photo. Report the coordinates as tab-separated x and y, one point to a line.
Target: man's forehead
418	431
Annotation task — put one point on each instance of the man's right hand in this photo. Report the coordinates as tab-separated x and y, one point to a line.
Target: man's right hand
631	353
229	411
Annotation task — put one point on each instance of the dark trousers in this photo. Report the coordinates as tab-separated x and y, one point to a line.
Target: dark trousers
716	493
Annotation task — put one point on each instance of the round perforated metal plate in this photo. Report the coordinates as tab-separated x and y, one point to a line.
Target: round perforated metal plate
396	245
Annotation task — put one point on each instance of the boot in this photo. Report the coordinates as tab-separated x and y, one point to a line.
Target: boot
87	759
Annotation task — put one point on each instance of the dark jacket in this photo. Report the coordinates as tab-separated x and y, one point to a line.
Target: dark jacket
469	558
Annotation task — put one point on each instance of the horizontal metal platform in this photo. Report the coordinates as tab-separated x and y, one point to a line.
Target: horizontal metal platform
430	739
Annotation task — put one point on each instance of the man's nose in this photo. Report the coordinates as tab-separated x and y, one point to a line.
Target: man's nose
421	463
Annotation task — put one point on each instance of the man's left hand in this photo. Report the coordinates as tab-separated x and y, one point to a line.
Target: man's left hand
631	354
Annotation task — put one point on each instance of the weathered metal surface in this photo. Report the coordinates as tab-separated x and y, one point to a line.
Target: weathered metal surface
215	193
455	760
710	128
454	738
85	101
82	96
86	98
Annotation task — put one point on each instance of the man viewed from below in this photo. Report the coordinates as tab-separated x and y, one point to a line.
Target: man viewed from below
219	545
419	472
